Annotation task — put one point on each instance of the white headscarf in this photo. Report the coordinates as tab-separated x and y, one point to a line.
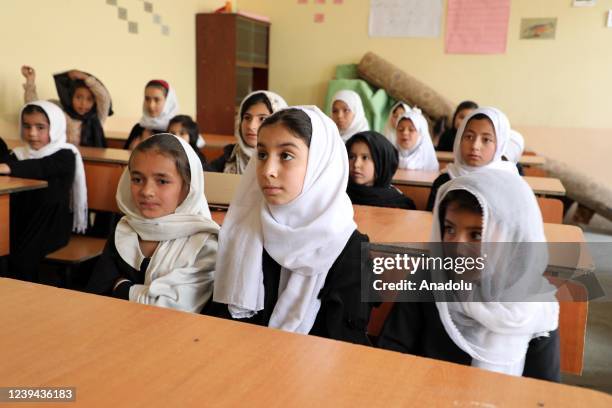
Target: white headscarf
502	135
390	126
305	236
242	152
169	111
174	277
496	334
515	147
422	156
57	136
360	122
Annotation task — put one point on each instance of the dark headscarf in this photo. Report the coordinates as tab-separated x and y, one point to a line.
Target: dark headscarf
92	133
386	160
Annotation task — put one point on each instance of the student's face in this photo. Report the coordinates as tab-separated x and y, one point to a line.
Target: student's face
282	159
35	128
178	130
462	225
154	101
157	187
251	120
407	134
478	143
82	100
460	116
342	115
397	113
361	165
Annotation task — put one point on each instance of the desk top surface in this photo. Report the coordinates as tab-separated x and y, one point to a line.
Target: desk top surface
419	178
10	185
117	353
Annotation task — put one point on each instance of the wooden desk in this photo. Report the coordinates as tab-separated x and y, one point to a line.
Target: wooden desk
525	160
11	185
123	354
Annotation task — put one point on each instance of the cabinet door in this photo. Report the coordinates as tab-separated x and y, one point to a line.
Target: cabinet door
244	40
260	44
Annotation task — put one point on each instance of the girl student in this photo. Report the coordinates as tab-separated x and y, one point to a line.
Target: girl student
163	250
447	139
292	224
416	151
480	143
86	103
348	114
508	323
187	129
397	111
372	163
158	107
41	220
254	109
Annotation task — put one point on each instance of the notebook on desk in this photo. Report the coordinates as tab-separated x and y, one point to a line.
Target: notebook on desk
219	188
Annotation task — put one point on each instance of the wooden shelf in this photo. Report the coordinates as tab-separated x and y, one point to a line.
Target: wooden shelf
245	64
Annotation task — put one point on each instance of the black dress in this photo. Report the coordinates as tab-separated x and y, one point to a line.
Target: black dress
447	140
111	267
41	221
438	182
342	316
389	197
416	328
218	165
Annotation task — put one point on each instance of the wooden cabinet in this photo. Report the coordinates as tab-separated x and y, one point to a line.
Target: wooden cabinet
231	61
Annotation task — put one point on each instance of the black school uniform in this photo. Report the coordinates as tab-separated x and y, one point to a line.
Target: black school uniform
342	316
41	221
416	328
438	182
389	197
111	267
447	140
218	165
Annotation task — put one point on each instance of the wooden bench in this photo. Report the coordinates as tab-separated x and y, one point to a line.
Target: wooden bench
80	248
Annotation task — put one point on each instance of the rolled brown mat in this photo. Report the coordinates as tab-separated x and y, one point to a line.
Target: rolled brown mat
581	188
404	87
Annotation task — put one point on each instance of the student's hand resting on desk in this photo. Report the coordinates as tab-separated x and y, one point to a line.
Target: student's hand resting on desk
4	169
29	74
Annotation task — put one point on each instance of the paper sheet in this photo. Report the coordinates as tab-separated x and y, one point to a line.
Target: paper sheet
405	18
477	26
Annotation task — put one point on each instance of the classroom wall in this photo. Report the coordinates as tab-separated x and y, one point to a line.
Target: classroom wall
88	35
546	87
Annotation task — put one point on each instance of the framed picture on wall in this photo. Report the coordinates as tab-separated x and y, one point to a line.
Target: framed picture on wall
583	3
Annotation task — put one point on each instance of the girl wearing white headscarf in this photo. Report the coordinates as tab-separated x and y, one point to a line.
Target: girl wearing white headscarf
509	322
358	123
395	113
236	156
459	167
41	220
160	104
421	155
179	273
295	266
